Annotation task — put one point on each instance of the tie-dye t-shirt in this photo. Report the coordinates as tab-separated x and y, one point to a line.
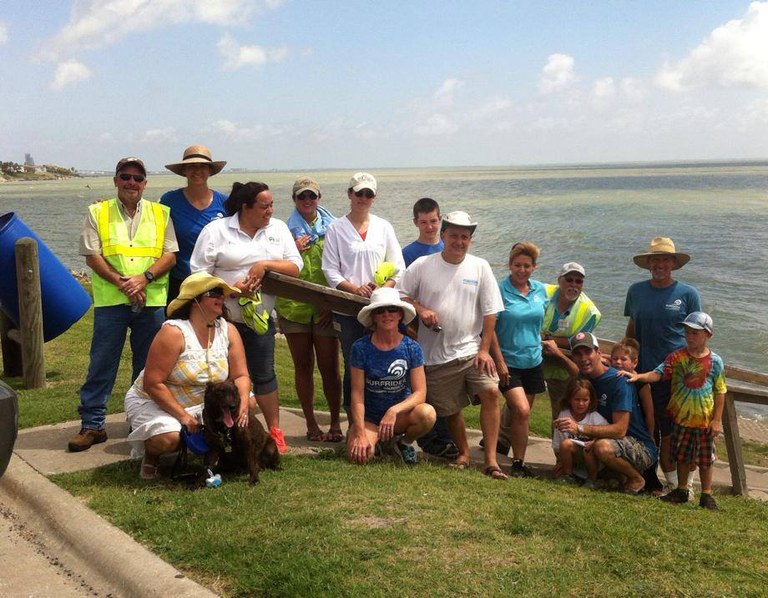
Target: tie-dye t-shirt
695	382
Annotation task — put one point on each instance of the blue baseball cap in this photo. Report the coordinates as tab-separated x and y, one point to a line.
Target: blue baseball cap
700	321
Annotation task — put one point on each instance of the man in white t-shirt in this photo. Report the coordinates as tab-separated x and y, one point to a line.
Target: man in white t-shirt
457	298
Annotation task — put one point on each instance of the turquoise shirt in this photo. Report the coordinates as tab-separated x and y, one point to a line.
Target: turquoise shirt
518	327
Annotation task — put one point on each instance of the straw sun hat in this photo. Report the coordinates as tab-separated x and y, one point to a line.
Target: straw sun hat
195	285
661	246
384	297
196	154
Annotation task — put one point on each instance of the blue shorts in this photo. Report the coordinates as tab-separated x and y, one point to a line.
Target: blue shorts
260	357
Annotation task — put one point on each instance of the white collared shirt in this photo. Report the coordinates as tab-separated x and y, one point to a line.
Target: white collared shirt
223	249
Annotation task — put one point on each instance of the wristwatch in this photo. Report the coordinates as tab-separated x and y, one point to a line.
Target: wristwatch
149	276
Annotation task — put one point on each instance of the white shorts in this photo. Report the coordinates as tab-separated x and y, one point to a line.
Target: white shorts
148	419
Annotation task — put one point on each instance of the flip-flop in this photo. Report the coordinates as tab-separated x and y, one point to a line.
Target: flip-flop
633	492
495	472
148	471
318	436
333	436
459	464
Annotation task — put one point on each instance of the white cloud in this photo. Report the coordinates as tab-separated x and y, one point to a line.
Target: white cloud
97	23
437	124
237	56
733	55
3	33
69	72
158	136
557	73
445	94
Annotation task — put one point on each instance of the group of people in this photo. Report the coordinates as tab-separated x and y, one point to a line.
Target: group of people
439	333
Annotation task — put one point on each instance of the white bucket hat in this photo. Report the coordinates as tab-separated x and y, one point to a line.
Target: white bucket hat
385	297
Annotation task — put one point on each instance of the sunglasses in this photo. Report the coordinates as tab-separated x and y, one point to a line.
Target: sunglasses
390	309
367	193
215	293
574	280
124	176
307	195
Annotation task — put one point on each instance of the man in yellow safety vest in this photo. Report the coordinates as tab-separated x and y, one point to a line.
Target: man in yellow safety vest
129	243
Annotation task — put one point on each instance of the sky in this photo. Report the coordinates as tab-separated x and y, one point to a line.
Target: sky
299	84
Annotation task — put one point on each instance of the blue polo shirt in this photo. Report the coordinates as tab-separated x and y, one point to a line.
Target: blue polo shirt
518	327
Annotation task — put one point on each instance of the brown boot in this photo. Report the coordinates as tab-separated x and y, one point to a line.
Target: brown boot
85	439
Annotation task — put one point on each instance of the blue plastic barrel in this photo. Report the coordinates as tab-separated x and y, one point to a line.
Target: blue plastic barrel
64	299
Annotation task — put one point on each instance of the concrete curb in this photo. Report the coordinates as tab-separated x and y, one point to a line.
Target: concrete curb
84	542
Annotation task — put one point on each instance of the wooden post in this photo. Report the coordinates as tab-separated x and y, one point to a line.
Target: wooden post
30	313
733	446
12	367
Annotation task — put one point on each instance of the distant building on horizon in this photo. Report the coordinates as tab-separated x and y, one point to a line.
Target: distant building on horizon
29	160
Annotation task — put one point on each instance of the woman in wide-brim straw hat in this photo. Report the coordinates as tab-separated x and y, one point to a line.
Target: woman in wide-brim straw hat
656	309
192	207
389	387
194	347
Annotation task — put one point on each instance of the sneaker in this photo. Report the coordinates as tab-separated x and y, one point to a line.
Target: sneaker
520	469
279	438
708	502
85	439
678	496
566	479
441	448
501	448
404	451
589	484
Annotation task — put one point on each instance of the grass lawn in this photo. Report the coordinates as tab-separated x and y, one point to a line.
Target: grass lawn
324	527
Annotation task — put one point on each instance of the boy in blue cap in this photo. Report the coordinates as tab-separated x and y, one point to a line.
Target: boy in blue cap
696	406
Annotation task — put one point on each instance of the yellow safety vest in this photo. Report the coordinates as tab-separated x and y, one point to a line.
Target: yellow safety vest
130	256
582	310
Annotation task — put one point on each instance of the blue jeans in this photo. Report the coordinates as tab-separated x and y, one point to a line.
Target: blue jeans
349	330
110	326
260	357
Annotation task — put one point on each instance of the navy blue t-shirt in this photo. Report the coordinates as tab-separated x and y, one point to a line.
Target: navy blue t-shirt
387	373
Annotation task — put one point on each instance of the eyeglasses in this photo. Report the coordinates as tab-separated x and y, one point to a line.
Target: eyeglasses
307	195
367	193
215	293
390	309
574	280
124	176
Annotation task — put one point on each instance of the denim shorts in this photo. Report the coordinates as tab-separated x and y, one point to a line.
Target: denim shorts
260	357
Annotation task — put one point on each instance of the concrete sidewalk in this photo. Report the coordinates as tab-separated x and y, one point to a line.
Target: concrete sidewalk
70	551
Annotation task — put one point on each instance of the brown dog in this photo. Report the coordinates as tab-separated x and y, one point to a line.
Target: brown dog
232	447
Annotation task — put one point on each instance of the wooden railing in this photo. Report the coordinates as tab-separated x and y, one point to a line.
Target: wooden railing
294	288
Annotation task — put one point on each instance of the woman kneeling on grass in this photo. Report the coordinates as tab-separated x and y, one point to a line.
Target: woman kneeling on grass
389	389
193	348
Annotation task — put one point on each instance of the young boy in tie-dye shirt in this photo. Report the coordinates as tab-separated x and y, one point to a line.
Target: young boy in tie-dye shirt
696	406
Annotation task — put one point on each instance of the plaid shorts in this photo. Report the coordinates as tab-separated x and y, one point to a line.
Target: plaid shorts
694	446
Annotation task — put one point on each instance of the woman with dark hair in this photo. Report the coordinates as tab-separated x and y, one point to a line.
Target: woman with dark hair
240	249
196	346
192	207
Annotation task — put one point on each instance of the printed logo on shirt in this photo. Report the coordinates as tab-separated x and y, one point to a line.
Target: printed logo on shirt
398	368
603	399
273	240
675	305
470	281
395	380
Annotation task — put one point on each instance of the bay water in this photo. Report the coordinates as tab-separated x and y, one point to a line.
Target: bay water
599	216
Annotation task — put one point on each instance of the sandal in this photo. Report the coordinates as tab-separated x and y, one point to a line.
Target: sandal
317	436
460	464
495	472
334	436
148	471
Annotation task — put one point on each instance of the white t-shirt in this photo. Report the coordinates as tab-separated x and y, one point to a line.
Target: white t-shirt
461	295
347	256
593	418
223	250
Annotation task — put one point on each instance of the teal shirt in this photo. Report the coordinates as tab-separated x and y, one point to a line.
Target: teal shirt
518	327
